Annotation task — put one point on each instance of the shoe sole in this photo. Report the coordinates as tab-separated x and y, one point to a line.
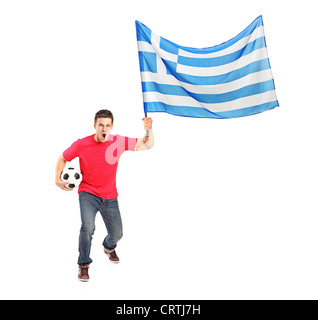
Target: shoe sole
83	280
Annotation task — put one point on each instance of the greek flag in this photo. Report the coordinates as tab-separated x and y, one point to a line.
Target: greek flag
233	79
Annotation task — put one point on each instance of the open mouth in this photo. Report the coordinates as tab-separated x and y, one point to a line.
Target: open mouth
104	135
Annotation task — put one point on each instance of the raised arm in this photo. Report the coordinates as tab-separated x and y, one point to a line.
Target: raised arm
146	142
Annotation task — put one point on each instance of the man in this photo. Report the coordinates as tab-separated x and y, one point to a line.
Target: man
98	156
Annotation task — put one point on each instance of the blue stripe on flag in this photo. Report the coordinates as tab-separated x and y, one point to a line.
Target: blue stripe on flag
218	61
246	91
168	46
255	66
193	112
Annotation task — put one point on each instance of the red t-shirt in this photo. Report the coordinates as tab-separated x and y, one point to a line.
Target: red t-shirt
99	162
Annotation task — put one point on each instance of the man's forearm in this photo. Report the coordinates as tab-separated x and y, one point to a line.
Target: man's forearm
60	165
146	143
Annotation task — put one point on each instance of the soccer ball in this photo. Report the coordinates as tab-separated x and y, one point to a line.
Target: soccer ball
72	175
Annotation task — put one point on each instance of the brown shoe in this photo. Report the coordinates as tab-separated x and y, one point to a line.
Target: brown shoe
112	256
83	273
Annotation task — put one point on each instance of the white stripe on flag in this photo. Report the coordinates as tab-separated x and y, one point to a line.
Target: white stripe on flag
145	46
155	41
251	78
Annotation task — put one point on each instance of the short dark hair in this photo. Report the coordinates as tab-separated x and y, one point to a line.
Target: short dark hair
104	113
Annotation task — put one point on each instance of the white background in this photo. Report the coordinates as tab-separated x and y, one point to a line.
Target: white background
218	209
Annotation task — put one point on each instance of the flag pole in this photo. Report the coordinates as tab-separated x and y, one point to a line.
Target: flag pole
147	131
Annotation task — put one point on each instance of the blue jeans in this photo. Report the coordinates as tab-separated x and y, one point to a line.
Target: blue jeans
90	205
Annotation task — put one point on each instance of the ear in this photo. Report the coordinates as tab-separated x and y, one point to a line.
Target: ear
94	125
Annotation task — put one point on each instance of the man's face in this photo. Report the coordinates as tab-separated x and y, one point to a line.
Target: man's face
103	128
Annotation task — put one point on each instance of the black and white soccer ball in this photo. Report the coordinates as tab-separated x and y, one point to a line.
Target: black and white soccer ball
74	176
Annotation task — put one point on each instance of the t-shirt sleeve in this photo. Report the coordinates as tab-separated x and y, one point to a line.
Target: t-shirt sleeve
72	152
130	143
